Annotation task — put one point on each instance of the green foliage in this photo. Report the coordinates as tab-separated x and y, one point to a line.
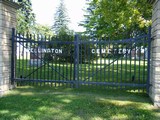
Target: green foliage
63	33
68	49
25	17
113	17
61	20
43	30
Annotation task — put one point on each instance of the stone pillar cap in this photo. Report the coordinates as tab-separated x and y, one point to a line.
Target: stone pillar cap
11	4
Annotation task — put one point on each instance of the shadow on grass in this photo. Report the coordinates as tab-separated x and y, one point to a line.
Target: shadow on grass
44	103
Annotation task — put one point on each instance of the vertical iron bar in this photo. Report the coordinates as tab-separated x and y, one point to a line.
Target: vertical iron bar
89	62
143	63
66	75
108	58
23	71
139	66
35	64
19	61
92	63
104	64
62	63
48	61
30	44
66	61
81	57
37	59
45	60
49	66
85	60
113	64
97	77
125	79
76	61
121	53
135	57
15	57
59	67
100	61
26	57
117	54
148	67
71	60
13	62
42	57
56	67
52	72
130	61
22	59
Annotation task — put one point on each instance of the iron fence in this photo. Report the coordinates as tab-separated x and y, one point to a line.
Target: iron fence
81	61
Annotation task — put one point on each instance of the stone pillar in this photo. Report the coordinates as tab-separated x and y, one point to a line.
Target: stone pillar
7	22
155	55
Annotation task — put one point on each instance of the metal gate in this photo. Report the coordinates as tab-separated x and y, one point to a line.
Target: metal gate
41	60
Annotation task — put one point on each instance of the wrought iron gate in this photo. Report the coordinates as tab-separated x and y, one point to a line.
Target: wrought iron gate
41	60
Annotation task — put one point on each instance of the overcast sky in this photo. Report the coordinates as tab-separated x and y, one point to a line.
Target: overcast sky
45	10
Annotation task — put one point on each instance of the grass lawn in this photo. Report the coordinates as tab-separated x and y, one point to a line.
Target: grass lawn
46	103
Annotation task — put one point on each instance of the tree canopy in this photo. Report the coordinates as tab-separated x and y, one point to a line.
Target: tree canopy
61	20
25	17
43	30
113	17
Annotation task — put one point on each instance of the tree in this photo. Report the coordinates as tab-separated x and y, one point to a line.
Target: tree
43	30
25	17
113	17
63	33
61	20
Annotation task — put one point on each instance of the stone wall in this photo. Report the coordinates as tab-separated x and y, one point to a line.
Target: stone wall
7	22
155	55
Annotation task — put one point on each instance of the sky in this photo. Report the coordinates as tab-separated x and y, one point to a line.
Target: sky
45	10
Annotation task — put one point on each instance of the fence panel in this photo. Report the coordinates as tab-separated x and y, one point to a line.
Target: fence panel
117	64
81	61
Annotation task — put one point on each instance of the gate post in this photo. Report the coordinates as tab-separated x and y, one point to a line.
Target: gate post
76	61
7	22
154	91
